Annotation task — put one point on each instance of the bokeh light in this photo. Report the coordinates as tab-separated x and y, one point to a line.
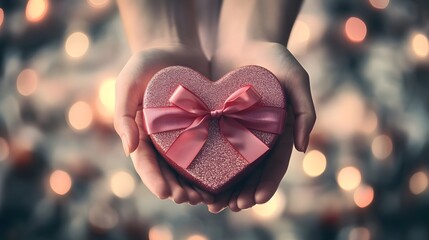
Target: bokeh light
420	45
359	233
77	44
60	182
1	16
197	237
349	178
103	216
160	232
379	4
418	182
26	82
36	10
122	184
80	115
369	123
272	209
382	147
299	37
106	95
355	29
4	149
98	3
314	163
363	196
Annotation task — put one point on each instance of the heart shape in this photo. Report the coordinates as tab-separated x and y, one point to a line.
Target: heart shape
218	164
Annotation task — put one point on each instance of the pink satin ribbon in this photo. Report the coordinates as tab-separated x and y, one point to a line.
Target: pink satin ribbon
239	113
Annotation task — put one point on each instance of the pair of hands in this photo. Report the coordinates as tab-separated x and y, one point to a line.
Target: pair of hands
160	179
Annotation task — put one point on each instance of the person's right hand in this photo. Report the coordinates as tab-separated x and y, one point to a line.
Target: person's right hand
130	87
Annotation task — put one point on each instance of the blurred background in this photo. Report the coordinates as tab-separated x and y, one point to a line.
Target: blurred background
63	174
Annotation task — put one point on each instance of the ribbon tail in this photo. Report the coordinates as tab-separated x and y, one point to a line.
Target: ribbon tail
242	140
189	143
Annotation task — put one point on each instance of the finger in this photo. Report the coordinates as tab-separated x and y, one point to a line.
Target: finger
275	166
129	91
193	196
297	86
246	198
220	203
146	165
178	193
207	197
233	201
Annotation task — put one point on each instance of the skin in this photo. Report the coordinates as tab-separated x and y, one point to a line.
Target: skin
250	32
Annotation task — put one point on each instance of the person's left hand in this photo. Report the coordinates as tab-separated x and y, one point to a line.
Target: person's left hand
261	185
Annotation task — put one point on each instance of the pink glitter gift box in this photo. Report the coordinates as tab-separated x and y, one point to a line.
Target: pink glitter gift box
214	132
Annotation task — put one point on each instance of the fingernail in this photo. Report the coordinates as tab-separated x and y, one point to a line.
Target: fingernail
125	144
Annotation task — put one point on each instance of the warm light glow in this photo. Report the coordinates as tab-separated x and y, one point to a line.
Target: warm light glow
27	81
103	216
314	163
370	122
4	149
160	232
418	182
122	184
299	36
360	233
420	45
98	3
379	4
60	182
77	44
363	196
382	147
197	237
106	95
36	10
80	115
349	178
1	16
271	209
355	29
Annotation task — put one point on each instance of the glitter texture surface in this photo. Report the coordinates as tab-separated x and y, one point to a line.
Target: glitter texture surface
217	165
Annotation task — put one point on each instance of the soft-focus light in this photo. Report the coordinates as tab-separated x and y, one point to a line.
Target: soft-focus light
355	29
122	184
379	4
1	16
36	10
271	209
103	216
418	182
420	45
299	36
4	149
77	44
160	232
197	237
360	233
314	163
349	178
27	81
60	182
80	115
369	123
363	196
98	3
382	147
106	95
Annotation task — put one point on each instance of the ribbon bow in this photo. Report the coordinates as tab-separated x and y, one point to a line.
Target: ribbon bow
238	114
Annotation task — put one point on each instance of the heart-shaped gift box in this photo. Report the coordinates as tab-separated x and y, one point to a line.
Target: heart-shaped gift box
213	132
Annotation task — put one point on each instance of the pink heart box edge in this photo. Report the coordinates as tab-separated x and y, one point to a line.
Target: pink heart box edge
248	168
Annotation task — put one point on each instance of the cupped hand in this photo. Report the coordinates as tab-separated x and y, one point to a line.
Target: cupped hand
130	87
261	185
